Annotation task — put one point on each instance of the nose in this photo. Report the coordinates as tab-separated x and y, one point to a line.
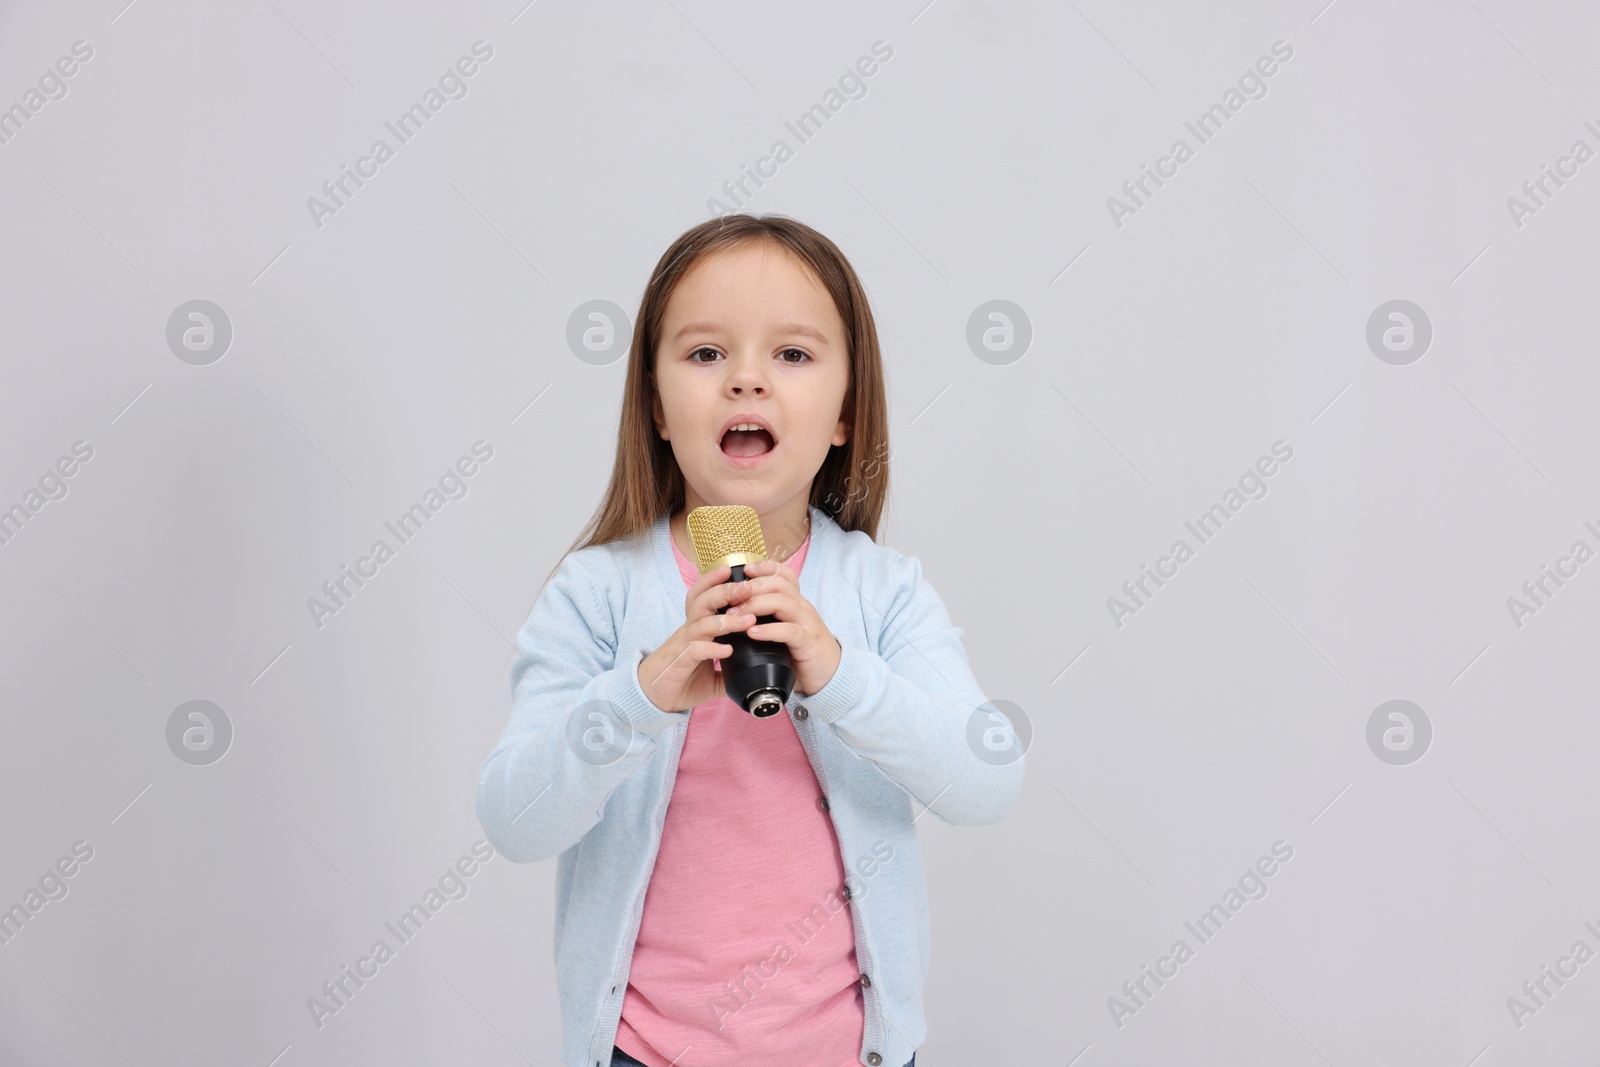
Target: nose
747	377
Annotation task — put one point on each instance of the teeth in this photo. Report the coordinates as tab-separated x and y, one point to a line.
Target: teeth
747	426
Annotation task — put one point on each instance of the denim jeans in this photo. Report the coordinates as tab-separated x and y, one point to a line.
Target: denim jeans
620	1058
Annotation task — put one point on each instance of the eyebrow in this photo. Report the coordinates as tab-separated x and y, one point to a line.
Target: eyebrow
786	328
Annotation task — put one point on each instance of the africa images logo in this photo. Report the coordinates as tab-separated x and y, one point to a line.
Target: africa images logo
452	86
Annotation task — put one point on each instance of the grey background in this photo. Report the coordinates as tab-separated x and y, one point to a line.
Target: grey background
1167	355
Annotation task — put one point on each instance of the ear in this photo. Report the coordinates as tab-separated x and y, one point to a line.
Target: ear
847	420
659	414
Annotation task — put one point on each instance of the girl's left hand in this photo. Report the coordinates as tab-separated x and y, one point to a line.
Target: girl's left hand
773	588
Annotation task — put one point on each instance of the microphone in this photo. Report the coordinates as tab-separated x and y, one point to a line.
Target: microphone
758	675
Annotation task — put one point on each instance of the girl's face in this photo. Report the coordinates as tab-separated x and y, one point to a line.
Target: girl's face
749	335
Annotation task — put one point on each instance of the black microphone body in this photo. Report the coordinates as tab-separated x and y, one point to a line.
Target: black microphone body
758	675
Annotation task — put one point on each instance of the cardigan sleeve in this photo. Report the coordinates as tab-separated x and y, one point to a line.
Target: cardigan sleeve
580	722
913	707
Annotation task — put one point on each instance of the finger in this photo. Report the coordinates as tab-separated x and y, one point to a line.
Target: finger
709	592
711	579
738	592
776	568
780	604
722	623
705	583
741	592
779	576
725	595
714	575
786	632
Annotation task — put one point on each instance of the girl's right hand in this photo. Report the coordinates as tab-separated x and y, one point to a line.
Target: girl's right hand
679	675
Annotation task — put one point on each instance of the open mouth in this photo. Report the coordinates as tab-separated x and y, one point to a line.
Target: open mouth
744	443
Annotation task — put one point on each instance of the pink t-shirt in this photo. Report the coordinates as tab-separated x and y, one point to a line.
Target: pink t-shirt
746	952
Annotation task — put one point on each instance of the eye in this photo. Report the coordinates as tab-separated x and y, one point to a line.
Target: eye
795	362
697	351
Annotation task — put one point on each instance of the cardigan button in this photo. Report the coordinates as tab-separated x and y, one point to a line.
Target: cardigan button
800	712
825	805
874	1059
866	982
847	892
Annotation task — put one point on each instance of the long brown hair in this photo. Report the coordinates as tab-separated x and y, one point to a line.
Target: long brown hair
853	482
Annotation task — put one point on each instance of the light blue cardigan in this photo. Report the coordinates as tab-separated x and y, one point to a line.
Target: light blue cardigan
586	764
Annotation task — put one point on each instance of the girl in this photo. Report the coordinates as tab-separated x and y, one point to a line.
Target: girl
734	890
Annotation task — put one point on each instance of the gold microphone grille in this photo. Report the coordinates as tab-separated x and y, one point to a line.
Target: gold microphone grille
726	533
